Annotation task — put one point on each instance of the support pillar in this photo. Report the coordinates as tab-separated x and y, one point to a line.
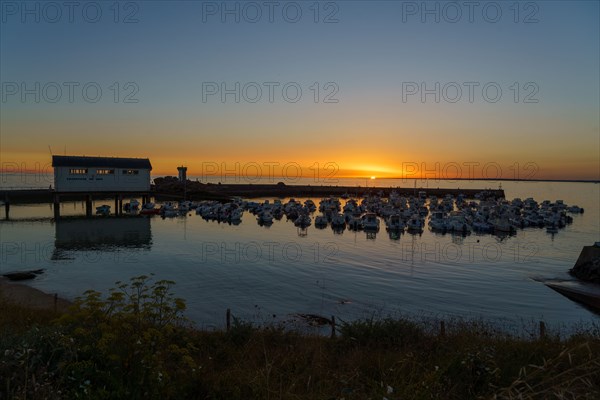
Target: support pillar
88	205
120	205
56	206
6	207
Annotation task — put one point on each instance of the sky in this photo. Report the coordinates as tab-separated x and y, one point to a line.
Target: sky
351	88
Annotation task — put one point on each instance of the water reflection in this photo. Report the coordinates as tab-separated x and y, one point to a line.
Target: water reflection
105	234
394	234
338	230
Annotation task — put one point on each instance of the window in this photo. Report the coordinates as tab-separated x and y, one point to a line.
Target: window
105	171
130	172
78	171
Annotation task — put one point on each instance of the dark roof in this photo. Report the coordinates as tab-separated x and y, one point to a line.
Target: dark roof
108	162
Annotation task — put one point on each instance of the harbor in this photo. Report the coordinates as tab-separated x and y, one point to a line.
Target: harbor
197	192
326	265
114	218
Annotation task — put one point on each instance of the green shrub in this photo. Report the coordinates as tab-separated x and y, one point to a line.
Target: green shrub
133	342
385	332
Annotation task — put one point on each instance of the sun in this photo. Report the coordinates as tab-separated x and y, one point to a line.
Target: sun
372	177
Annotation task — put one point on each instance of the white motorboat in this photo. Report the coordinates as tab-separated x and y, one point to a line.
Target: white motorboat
501	225
395	222
236	215
321	221
148	206
355	222
575	210
265	216
370	221
482	226
458	225
438	224
103	209
303	220
415	224
338	220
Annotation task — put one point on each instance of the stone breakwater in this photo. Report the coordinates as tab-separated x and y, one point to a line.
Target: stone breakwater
587	267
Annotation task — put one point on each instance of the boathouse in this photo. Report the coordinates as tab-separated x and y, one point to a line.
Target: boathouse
101	174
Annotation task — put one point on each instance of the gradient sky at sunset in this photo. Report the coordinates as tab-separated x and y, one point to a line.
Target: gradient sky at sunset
373	52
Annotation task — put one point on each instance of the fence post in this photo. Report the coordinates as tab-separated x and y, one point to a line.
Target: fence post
228	315
442	328
542	330
332	326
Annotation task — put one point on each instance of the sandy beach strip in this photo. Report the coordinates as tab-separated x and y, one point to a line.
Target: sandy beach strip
28	296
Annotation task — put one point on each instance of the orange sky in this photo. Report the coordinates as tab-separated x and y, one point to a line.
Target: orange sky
324	169
382	142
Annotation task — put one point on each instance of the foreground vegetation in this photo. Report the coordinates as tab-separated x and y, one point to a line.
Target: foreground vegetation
136	344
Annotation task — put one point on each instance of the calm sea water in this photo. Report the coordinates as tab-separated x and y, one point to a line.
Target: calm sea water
259	272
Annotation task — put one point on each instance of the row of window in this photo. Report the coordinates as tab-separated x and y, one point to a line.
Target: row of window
84	171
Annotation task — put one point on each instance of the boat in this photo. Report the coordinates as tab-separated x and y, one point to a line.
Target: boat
439	225
310	205
168	210
236	215
575	210
501	225
370	221
481	226
321	221
415	224
184	206
23	275
457	224
338	220
133	205
395	223
355	222
169	213
303	220
265	217
438	222
103	209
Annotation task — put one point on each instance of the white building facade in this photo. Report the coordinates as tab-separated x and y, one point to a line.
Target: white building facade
101	174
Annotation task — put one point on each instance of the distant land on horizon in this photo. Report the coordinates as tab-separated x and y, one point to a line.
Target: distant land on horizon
378	178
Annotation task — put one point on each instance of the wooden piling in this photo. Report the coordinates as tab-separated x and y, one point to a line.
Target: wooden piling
228	317
442	328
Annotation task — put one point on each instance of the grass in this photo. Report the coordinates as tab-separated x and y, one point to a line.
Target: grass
135	344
